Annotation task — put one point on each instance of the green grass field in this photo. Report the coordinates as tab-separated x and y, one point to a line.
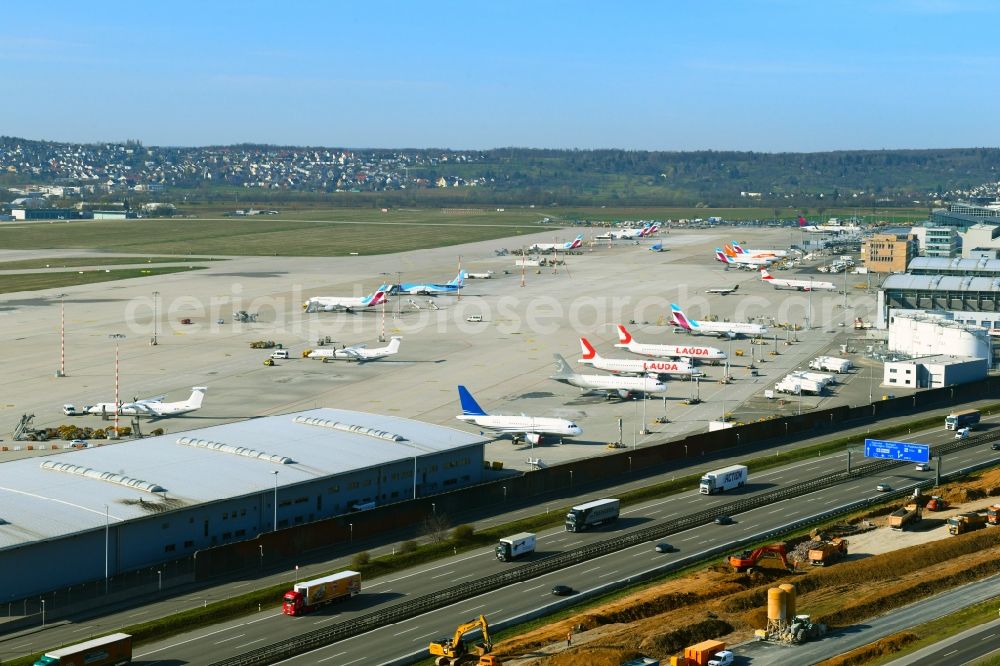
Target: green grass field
34	281
75	262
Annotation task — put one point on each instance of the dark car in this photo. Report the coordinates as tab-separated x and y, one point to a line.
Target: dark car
562	590
665	548
723	520
995	446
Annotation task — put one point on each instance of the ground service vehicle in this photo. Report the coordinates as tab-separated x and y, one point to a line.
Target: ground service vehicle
936	503
827	552
993	515
900	518
308	595
830	364
455	651
280	354
104	651
749	558
723	479
592	514
961	419
71	410
701	653
965	522
515	546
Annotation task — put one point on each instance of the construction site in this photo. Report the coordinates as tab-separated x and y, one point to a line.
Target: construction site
787	594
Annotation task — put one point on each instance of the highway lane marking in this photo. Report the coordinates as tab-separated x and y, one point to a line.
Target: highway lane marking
231	638
947	654
236	587
139	613
464	577
81	629
535	587
348	663
329	658
469	610
446	573
17	647
778	510
610	573
589	570
198	638
243	645
424	636
406	631
986	638
749	527
325	619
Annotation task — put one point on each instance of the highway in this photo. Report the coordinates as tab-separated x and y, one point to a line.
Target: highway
393	642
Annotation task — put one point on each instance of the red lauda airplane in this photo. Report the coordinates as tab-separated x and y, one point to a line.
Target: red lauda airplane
632	366
675	351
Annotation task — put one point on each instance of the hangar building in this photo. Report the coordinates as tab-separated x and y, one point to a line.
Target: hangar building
135	504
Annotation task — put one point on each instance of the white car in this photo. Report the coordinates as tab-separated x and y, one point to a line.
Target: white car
724	658
962	433
923	467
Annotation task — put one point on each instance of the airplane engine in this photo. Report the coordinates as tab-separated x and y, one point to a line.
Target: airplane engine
533	437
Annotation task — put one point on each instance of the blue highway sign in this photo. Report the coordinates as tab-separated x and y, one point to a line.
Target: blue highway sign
878	448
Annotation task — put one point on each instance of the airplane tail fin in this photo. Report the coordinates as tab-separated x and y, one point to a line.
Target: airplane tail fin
802	221
376	298
563	369
393	345
457	280
197	396
575	243
681	319
469	405
624	337
588	351
737	249
721	256
764	275
727	248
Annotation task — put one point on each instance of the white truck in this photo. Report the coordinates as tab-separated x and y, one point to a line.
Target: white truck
723	658
479	276
724	479
830	364
592	514
515	546
798	386
818	377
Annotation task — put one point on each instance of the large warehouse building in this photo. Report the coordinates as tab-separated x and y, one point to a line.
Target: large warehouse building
971	300
136	504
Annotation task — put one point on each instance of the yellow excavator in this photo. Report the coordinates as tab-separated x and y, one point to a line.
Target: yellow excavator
455	652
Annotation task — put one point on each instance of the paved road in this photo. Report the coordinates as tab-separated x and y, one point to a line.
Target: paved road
394	642
955	651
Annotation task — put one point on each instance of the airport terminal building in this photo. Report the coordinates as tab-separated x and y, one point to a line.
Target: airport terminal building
140	503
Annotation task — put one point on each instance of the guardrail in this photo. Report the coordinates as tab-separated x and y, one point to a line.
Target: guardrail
447	596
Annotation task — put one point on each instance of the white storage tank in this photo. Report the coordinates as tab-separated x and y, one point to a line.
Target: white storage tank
920	334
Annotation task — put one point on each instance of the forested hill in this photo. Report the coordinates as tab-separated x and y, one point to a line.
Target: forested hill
514	175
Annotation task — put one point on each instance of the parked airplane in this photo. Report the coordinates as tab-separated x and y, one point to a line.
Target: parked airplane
832	226
760	254
611	385
800	285
625	341
741	260
632	366
730	329
548	247
531	427
722	290
154	407
359	353
427	289
345	303
630	234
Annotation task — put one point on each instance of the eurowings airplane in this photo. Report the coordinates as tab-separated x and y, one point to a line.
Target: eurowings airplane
632	366
722	290
611	385
741	260
625	341
429	288
345	303
760	254
630	234
359	353
730	329
531	427
549	247
154	407
800	285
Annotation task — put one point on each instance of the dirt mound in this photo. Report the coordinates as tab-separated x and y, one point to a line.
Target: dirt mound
671	642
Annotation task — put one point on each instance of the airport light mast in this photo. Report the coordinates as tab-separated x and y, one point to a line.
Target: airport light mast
62	336
118	405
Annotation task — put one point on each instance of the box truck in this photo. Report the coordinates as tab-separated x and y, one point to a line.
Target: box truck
515	546
592	514
307	596
720	480
966	418
105	651
830	364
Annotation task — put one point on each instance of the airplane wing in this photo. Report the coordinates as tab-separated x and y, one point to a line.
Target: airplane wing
144	401
354	353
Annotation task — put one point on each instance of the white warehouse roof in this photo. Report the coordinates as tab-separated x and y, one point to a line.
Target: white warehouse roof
52	496
940	283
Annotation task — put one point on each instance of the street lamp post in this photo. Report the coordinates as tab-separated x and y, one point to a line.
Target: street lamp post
275	472
351	527
434	509
261	546
43	612
159	580
62	336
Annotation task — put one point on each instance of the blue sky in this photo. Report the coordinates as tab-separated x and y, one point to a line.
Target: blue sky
768	75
